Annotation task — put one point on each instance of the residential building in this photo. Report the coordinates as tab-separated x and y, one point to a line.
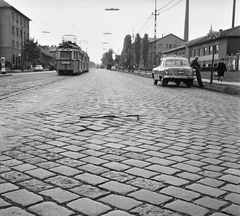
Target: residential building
14	28
46	58
226	45
162	44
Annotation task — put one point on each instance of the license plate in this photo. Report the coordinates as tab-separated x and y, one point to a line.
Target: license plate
180	72
65	62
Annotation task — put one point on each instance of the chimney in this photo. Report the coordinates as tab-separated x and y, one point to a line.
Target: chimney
220	32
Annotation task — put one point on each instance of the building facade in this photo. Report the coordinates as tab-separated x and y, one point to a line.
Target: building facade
14	27
226	45
162	44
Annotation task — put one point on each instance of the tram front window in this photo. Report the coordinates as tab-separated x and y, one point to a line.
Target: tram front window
65	55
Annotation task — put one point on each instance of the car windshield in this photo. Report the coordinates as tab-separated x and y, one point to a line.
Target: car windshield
175	63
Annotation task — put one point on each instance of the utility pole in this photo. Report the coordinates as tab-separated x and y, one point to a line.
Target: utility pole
155	33
186	26
233	15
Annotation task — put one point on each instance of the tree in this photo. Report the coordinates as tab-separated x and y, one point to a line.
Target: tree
145	49
127	52
137	49
31	51
212	35
107	57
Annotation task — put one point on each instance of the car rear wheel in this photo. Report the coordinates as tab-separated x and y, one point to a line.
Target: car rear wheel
178	83
164	82
189	84
155	82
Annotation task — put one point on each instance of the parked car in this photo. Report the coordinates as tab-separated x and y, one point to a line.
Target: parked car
173	69
113	67
38	68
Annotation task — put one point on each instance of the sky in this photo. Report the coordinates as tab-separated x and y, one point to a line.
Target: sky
88	20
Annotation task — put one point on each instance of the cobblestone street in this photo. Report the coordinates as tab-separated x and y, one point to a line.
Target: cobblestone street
108	143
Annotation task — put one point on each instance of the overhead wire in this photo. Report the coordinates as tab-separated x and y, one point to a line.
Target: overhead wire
159	10
145	23
171	6
64	12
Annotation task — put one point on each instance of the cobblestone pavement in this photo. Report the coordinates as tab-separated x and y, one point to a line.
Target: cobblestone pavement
113	144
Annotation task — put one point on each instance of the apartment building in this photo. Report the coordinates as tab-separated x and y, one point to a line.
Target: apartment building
14	30
225	45
162	44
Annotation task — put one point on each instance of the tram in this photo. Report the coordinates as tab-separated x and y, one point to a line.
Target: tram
70	58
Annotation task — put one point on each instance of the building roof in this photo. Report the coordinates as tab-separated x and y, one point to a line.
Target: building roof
4	4
235	31
45	52
157	39
232	32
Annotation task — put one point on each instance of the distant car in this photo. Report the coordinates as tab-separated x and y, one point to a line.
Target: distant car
113	68
173	69
38	68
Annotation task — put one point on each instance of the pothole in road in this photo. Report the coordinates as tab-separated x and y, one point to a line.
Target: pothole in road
111	117
102	122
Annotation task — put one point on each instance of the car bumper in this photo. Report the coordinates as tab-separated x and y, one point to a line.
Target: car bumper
177	77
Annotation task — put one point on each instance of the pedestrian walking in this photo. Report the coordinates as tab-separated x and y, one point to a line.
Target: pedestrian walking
221	68
195	65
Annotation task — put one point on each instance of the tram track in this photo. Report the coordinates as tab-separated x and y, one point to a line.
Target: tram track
10	89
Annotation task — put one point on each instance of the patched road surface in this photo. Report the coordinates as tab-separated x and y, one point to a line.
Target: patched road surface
108	143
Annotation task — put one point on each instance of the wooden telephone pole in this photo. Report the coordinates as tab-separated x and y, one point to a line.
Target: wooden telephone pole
233	14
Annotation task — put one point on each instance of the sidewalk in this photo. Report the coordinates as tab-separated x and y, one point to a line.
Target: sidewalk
232	88
222	83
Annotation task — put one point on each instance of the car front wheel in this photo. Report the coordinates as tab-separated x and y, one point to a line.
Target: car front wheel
155	82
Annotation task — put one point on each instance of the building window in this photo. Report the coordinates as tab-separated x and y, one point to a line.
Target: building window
199	52
13	59
195	52
17	45
210	50
170	46
205	51
191	53
13	30
17	18
216	49
13	44
17	31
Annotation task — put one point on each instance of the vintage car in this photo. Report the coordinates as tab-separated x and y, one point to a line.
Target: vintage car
173	69
38	68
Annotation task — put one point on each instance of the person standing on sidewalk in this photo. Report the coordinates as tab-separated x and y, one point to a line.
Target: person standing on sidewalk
221	68
195	65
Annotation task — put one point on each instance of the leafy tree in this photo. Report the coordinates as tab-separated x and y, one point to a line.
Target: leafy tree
31	51
127	52
145	49
137	49
107	57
